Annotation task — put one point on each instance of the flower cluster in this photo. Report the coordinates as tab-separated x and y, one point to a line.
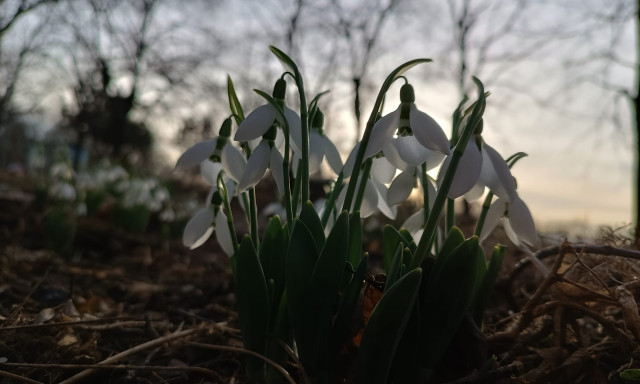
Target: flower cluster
299	280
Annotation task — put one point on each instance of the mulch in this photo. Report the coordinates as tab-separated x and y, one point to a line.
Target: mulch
141	308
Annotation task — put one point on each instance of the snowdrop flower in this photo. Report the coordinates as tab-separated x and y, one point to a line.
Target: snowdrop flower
266	155
205	221
516	220
480	166
417	132
214	155
416	222
261	119
63	191
320	147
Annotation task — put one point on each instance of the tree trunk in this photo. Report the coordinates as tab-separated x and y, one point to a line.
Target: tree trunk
636	131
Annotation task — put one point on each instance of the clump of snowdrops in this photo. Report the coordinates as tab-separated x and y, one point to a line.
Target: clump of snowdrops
299	280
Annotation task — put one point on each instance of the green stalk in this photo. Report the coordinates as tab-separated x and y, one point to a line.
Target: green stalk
304	117
295	198
363	184
330	205
483	214
227	207
426	241
450	216
393	76
424	179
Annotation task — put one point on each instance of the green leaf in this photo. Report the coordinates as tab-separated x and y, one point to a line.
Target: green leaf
385	329
486	285
390	240
631	375
395	270
273	253
355	238
453	240
286	61
253	302
447	301
324	293
234	103
310	218
302	256
345	316
407	236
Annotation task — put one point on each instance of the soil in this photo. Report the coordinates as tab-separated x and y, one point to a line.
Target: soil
122	307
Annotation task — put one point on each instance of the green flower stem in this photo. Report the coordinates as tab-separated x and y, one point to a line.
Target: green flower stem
228	212
426	241
424	179
370	123
304	117
295	198
330	205
483	214
449	220
285	161
253	207
363	184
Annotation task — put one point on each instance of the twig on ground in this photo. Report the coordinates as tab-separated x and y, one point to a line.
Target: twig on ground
177	335
18	377
272	363
101	366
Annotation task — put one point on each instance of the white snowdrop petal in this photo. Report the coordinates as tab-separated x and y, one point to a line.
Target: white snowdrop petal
369	201
391	154
434	158
494	214
400	188
295	128
233	161
382	132
256	123
511	234
522	222
223	235
414	222
427	131
410	150
332	155
199	228
383	206
210	170
475	193
316	152
275	164
496	174
196	154
467	173
256	167
382	170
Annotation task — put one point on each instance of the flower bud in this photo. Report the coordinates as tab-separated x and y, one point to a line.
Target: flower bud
407	95
318	120
279	89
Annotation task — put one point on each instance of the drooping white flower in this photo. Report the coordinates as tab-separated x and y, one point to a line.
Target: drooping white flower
480	166
261	119
516	220
204	222
418	131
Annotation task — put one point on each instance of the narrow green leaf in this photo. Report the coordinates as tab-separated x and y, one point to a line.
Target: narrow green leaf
409	243
453	240
395	270
385	329
390	240
253	302
345	316
448	300
286	61
310	218
234	103
273	252
487	284
302	256
355	238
